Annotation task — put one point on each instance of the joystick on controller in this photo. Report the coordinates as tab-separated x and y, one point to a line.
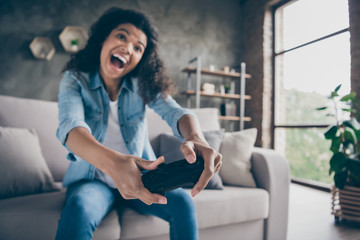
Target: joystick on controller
173	175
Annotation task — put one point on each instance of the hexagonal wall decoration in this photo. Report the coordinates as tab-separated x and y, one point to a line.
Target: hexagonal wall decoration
42	48
73	38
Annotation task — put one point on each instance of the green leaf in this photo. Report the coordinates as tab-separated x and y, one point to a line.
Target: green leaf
335	144
337	162
350	96
355	179
353	165
352	123
321	108
331	132
340	179
337	88
350	135
334	94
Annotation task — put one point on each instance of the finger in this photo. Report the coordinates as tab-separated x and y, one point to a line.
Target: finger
206	175
218	162
217	168
149	198
149	165
187	148
202	183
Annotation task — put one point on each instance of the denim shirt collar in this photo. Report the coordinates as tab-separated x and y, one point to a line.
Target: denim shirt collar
96	82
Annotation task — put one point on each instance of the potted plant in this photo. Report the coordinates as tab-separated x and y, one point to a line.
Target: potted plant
75	44
227	88
345	161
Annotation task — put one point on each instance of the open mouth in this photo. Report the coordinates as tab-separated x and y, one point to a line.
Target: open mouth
118	61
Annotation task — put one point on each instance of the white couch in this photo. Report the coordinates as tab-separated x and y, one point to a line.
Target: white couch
232	213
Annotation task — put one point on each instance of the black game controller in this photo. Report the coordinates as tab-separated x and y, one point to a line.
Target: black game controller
173	175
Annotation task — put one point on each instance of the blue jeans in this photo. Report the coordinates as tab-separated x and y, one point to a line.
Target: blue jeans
87	202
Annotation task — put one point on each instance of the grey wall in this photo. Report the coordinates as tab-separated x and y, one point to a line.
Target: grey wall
187	28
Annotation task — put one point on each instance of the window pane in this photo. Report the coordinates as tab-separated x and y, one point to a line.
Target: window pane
307	20
306	76
307	152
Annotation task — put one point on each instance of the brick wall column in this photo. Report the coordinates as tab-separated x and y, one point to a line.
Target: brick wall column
257	45
354	11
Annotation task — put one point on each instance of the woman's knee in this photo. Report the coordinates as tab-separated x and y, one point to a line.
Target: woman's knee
89	202
81	205
179	200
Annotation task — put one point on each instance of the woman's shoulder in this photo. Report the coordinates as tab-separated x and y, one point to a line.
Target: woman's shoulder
82	76
79	77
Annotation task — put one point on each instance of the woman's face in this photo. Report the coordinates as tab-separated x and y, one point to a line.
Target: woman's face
121	51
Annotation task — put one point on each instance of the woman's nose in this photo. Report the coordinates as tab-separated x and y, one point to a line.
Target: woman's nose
127	48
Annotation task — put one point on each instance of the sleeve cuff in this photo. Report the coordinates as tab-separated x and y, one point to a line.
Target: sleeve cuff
177	117
66	126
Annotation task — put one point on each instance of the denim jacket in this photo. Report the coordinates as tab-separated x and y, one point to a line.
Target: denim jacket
84	102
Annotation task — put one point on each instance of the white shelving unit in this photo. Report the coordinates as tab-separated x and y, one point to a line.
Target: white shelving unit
239	95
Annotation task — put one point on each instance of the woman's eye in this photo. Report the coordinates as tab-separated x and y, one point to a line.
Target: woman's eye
121	36
138	49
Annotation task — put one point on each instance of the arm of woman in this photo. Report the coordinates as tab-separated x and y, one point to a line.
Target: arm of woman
124	170
185	126
195	144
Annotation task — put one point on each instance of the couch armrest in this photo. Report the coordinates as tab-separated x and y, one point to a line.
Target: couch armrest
271	172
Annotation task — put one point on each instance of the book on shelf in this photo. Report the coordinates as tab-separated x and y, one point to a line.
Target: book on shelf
228	109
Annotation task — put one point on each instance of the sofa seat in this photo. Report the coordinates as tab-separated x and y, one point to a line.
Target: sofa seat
229	206
232	205
214	208
36	213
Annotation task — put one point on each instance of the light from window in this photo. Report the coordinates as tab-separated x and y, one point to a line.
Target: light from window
312	57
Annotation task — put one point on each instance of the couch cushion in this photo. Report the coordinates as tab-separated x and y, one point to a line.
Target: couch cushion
232	205
236	149
43	117
31	217
214	208
36	217
208	117
23	169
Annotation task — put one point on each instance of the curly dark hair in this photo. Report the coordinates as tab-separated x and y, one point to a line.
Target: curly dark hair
150	70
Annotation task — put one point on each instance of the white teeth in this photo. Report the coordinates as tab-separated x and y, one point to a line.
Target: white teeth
121	58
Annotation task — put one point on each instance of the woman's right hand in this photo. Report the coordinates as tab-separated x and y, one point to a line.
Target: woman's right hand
126	174
125	170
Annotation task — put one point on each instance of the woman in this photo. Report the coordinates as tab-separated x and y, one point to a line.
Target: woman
102	99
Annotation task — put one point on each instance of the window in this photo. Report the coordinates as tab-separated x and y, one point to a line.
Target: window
311	58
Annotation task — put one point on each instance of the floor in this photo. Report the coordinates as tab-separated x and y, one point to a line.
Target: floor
310	217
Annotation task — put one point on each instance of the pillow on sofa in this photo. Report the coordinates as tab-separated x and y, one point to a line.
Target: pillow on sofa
236	148
23	169
170	149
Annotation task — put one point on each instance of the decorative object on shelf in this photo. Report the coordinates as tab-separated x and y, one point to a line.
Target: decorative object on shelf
345	161
226	69
208	88
73	38
212	68
222	89
75	44
228	109
42	48
227	88
230	95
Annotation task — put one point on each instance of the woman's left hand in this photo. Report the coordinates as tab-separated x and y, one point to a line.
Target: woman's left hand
212	160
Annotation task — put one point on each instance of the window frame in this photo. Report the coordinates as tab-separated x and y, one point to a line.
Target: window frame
305	182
